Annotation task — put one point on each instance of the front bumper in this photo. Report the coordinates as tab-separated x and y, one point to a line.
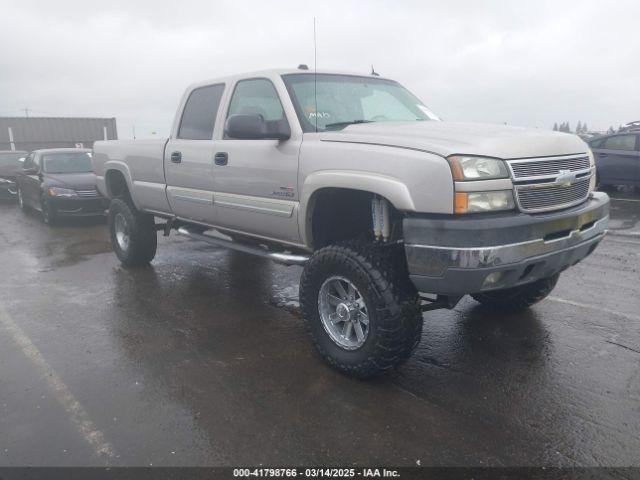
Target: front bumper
78	207
477	253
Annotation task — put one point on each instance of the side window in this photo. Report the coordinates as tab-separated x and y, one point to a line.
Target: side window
199	115
620	142
256	96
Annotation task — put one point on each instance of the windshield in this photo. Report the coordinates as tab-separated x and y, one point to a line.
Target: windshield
71	162
344	99
11	158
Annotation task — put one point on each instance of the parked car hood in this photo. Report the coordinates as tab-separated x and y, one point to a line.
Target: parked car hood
75	181
448	138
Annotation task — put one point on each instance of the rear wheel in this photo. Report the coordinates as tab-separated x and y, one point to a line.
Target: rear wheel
133	234
361	309
518	298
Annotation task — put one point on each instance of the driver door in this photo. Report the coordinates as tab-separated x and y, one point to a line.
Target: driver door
256	181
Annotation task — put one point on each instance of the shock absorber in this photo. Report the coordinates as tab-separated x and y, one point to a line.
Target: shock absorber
376	215
386	224
380	218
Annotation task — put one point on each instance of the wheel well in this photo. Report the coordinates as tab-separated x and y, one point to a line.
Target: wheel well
116	184
337	214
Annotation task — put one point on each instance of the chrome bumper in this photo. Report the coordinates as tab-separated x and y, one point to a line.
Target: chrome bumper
479	262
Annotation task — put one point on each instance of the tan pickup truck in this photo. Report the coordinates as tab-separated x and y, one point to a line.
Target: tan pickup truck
390	210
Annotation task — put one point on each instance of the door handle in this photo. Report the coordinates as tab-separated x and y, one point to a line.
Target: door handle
221	158
176	157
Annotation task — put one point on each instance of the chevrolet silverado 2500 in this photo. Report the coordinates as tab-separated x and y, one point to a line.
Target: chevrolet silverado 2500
390	210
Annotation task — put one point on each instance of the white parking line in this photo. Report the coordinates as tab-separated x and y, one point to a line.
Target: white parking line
595	307
77	414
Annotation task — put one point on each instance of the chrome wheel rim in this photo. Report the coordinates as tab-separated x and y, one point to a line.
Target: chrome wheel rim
122	231
343	313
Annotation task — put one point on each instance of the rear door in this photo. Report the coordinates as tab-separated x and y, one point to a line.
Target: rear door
617	159
188	158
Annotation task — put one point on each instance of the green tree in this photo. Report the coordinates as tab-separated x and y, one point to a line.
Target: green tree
555	127
579	127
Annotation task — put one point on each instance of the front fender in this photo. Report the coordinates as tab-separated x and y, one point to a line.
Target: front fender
388	187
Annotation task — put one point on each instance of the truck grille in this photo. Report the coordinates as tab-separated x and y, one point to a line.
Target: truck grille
525	169
91	193
553	197
553	183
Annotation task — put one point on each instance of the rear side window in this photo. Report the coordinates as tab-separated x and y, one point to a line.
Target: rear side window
199	116
620	142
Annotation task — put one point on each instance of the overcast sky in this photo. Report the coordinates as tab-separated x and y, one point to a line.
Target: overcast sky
524	63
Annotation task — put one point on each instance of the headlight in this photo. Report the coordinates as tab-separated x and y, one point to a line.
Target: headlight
469	202
477	168
62	192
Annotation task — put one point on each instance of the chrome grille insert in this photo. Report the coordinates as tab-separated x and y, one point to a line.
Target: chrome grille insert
536	168
552	197
552	183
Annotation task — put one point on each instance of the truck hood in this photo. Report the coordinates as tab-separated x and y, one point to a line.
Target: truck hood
448	138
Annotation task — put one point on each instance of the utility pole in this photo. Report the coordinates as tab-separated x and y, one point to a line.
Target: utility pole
26	112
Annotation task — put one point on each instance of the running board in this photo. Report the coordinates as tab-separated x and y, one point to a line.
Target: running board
285	258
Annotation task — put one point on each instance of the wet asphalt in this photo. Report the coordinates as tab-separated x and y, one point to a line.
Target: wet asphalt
203	359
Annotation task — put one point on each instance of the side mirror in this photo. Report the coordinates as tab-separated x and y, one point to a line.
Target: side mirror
29	171
255	127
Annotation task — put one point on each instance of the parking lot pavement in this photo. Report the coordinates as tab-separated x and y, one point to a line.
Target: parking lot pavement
202	359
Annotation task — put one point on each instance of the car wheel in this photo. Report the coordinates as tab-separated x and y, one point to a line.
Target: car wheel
360	307
48	212
518	298
133	234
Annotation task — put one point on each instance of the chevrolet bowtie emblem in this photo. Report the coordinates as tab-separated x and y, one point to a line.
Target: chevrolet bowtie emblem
565	178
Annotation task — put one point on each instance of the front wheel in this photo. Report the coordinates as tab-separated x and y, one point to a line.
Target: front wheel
361	309
48	212
21	202
133	234
518	298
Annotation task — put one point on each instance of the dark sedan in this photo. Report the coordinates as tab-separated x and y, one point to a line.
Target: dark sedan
10	165
617	159
59	182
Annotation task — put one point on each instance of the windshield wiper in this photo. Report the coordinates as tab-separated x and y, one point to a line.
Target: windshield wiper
344	124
